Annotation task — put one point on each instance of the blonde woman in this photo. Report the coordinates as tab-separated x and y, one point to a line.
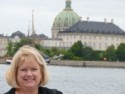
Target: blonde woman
28	73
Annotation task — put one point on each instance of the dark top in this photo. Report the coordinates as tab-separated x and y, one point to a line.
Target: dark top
42	90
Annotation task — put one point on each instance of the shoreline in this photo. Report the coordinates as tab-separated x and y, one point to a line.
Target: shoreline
2	61
103	64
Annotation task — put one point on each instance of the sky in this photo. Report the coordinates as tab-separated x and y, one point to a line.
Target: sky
17	14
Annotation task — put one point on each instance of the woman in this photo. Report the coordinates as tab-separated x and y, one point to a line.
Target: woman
28	73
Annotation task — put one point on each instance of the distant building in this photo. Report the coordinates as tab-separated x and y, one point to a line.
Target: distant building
69	28
3	44
38	38
50	42
98	35
16	36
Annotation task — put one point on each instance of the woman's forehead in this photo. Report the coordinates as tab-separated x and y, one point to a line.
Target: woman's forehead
27	58
28	61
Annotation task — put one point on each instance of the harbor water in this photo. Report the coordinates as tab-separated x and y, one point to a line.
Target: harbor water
79	80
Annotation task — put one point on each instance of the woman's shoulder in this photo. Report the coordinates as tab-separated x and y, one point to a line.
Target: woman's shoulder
46	90
42	90
11	91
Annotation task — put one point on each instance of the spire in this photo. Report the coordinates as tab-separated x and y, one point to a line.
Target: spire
33	31
68	4
28	30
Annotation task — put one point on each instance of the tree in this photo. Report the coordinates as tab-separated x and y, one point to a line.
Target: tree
23	41
39	47
9	49
87	53
97	55
75	52
12	48
120	52
54	51
68	55
111	53
77	49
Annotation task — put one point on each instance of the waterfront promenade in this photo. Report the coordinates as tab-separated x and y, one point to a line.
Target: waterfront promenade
105	64
88	63
2	61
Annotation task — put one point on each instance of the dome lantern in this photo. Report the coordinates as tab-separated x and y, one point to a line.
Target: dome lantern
68	4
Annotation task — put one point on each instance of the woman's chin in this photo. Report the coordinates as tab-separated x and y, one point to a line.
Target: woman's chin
30	86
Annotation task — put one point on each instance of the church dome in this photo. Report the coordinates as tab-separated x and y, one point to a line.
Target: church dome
67	17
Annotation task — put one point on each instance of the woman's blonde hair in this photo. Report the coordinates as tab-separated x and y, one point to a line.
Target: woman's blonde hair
21	55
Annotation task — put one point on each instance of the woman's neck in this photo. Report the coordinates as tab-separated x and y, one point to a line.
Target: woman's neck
26	91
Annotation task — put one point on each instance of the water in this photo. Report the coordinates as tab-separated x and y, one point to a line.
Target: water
78	80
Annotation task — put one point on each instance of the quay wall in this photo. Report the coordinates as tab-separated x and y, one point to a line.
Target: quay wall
88	63
2	61
82	63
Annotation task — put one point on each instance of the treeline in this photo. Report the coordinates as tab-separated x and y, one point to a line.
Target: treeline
78	51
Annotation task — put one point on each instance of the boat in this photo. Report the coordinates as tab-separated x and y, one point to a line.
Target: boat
8	61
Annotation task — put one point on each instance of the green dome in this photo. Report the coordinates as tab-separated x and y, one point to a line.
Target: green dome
67	17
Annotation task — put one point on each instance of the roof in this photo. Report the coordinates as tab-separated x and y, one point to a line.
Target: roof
95	27
42	36
18	33
39	36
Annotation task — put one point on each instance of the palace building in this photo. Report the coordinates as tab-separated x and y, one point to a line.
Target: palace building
68	28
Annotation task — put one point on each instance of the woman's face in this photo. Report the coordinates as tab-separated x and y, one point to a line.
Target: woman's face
29	74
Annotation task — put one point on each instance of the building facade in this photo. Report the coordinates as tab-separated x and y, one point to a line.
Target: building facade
3	45
69	28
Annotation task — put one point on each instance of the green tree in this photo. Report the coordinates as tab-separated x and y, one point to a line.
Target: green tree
54	51
120	52
26	41
63	51
40	48
68	55
77	49
111	53
97	55
9	49
13	47
47	51
75	52
87	53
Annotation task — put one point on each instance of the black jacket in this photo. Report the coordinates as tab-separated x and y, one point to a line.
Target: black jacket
42	90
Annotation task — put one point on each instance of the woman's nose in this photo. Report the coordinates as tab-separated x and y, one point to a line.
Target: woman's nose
29	72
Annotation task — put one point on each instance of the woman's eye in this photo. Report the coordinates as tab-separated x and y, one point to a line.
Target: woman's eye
23	69
34	69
